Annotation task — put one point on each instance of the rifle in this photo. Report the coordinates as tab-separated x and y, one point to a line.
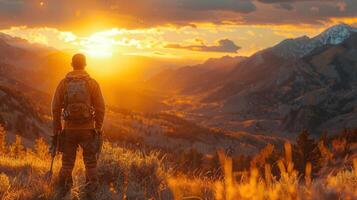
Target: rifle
53	151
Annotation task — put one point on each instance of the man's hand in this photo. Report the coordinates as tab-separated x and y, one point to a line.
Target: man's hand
98	131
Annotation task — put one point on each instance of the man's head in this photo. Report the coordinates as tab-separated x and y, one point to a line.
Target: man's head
79	61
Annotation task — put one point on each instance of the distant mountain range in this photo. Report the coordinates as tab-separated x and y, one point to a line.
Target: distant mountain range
302	83
197	78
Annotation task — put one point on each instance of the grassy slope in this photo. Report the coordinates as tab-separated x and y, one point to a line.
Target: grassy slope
136	175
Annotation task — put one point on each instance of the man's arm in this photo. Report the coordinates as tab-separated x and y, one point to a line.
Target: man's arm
57	105
99	106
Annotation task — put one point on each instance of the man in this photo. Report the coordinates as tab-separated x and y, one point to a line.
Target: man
78	102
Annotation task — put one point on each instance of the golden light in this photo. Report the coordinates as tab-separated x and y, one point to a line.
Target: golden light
101	44
103	50
42	3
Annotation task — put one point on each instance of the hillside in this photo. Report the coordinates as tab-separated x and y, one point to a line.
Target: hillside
24	110
195	79
21	116
174	134
132	173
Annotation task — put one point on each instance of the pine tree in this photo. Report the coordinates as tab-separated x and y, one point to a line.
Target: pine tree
306	151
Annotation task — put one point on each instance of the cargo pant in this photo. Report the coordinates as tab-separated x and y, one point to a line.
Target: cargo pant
72	139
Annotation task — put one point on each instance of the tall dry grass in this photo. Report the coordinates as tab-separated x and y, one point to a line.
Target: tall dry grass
132	174
123	173
252	185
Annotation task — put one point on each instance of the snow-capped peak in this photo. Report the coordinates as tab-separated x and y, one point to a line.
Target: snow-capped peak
335	34
299	47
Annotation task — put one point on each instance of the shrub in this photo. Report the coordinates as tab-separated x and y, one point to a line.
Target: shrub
4	183
16	149
41	148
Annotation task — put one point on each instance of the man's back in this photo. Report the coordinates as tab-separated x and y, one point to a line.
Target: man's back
58	103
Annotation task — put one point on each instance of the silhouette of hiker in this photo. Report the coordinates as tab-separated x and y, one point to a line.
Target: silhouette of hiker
78	113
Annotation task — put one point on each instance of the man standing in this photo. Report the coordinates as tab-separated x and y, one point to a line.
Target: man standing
79	104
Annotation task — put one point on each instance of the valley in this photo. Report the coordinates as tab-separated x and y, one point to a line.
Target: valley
241	103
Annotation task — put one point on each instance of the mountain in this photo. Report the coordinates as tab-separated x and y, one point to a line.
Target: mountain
298	84
197	78
13	54
24	109
302	93
25	45
299	47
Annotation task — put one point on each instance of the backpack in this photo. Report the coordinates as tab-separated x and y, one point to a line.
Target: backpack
77	100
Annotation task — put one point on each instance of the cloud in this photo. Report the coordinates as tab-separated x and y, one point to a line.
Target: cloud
286	6
120	13
240	6
288	1
81	15
309	12
223	45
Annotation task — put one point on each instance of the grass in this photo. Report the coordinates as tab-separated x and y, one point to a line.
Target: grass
132	174
122	173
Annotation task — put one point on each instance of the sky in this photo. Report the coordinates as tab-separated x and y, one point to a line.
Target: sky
170	29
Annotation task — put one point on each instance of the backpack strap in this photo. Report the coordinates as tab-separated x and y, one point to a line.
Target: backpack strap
64	103
87	80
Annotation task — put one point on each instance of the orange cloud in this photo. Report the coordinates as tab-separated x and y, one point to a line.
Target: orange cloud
171	41
89	16
223	45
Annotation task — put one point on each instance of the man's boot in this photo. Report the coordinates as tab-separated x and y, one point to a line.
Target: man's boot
91	189
64	186
92	184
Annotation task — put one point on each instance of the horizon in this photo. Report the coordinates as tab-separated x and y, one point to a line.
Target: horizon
112	63
69	42
105	30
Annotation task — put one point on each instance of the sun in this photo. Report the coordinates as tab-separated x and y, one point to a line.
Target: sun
100	45
98	49
98	52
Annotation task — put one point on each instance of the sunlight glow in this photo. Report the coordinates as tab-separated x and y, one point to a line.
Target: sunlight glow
101	44
113	43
